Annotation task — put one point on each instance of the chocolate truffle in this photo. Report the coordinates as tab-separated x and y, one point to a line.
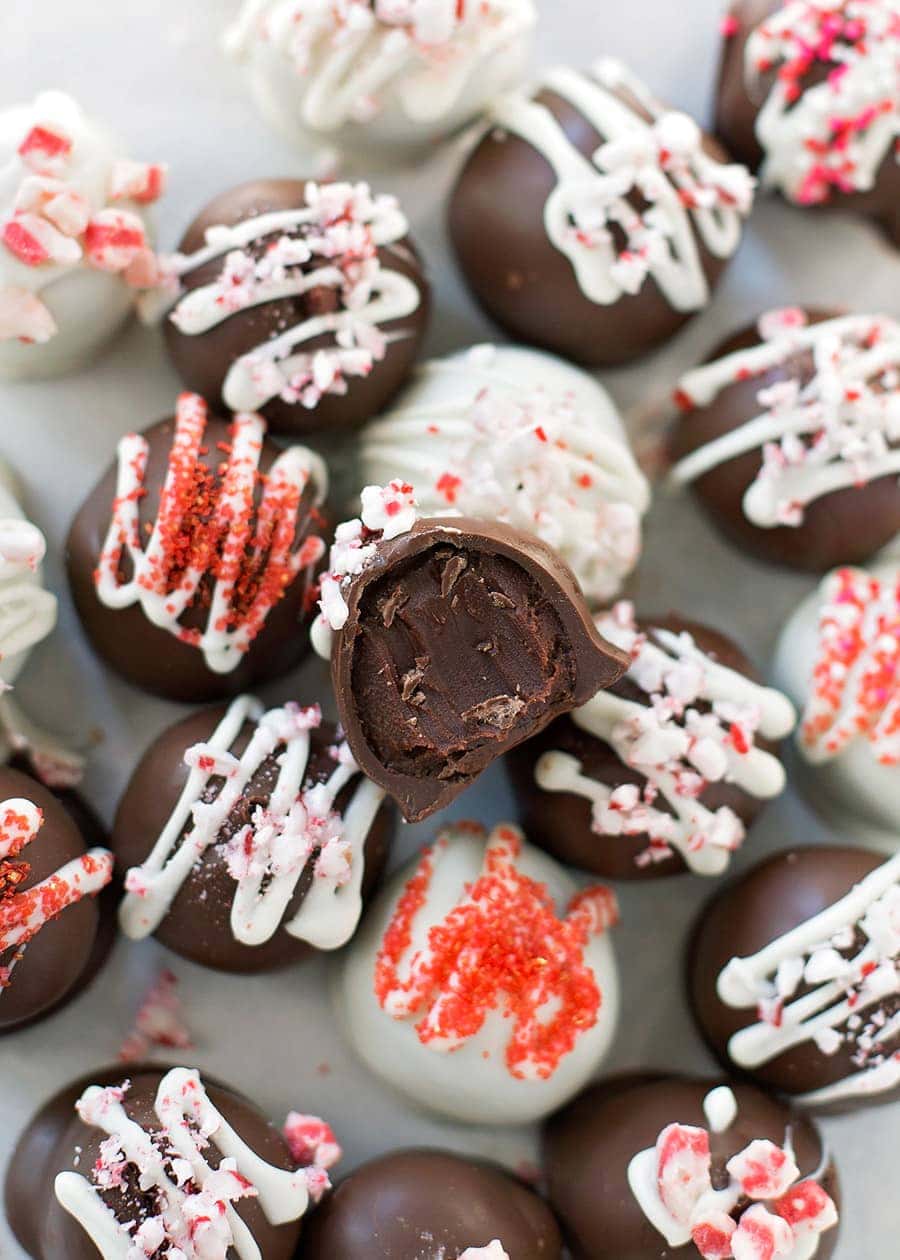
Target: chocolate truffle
809	93
380	78
74	240
668	769
451	640
839	658
514	435
249	837
439	995
301	301
790	437
112	1167
53	931
593	221
793	975
427	1203
192	562
647	1168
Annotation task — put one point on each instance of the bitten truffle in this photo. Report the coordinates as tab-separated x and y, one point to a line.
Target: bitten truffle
192	561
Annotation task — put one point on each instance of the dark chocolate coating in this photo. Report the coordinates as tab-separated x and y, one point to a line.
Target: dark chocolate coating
738	104
560	822
66	954
48	1146
422	1204
845	527
149	656
588	1146
198	925
520	278
203	360
463	638
754	910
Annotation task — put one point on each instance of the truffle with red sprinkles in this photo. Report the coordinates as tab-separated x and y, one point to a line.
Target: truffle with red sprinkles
789	436
649	1167
192	563
430	1203
163	1164
54	931
301	301
440	993
451	640
809	94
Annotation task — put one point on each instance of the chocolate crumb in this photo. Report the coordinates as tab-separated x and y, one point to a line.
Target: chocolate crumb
499	711
499	600
456	565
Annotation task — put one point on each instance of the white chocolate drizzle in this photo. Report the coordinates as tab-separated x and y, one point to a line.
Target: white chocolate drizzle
330	243
196	1202
493	1251
847	959
678	747
693	198
182	551
839	429
834	133
297	832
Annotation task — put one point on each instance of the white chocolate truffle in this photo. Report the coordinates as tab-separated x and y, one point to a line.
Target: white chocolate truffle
371	75
73	236
458	1020
517	435
839	659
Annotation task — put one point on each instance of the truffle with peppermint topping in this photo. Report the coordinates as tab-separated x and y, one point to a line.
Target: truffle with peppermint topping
646	1167
451	641
430	1203
593	221
792	974
248	838
667	770
838	657
789	436
439	994
300	301
809	94
75	241
193	561
56	920
163	1163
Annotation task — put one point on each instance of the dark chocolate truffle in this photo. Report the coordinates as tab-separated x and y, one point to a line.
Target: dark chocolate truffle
425	1203
666	770
251	837
67	1183
301	301
592	221
789	437
809	93
454	640
192	561
647	1168
54	932
792	974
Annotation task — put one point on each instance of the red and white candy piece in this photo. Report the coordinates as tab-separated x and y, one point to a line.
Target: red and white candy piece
45	150
683	1164
143	182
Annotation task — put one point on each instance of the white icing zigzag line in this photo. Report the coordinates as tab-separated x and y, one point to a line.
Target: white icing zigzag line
843	988
590	203
222	643
27	612
852	428
679	750
188	1120
267	858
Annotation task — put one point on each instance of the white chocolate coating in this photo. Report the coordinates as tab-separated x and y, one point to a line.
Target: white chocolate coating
511	433
389	76
470	1082
854	783
71	305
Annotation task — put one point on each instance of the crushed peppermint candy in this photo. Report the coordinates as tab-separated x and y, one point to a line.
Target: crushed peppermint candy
855	692
480	958
763	1212
159	1021
313	1147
